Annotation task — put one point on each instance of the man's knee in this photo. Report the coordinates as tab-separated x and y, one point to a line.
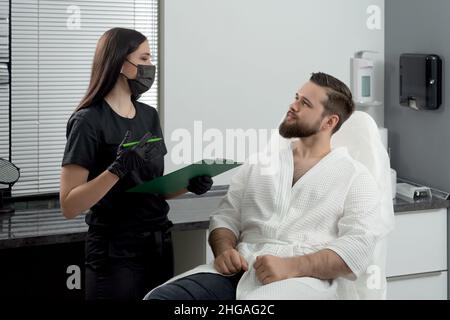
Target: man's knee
199	286
170	291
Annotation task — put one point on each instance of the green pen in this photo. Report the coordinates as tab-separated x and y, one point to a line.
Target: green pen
131	144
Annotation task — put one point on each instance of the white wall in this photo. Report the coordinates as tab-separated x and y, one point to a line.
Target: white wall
237	64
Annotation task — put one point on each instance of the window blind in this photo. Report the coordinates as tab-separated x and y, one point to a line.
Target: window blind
4	80
53	44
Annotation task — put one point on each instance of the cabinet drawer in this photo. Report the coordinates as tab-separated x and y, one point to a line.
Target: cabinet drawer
418	287
418	244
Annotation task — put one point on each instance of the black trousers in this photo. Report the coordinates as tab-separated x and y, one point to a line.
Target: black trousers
199	286
126	265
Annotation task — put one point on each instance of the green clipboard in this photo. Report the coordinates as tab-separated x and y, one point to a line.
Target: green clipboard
179	179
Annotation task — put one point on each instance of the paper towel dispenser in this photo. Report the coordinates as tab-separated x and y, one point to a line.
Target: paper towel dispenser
420	81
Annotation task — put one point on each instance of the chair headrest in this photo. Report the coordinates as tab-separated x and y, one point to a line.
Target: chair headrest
361	136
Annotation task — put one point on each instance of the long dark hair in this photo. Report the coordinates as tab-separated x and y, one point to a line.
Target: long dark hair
112	49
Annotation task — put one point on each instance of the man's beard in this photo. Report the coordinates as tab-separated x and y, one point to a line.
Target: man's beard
294	130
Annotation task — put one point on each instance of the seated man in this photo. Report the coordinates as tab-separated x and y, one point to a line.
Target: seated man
296	232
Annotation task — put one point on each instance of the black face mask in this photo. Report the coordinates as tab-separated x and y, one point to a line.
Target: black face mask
144	79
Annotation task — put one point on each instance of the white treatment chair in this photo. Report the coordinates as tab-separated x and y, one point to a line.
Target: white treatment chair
362	138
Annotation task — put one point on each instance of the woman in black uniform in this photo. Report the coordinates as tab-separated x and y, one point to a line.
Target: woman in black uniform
128	245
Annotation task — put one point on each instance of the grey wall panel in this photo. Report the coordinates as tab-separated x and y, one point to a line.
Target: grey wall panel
419	140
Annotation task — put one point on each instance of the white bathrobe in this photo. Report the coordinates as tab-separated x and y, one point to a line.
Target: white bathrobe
335	205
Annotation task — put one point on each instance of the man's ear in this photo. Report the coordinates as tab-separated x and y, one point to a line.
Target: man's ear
332	121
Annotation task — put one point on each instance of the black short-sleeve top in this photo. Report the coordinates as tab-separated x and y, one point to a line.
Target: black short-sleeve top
93	136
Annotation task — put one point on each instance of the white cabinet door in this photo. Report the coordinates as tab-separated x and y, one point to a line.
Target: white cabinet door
418	243
420	287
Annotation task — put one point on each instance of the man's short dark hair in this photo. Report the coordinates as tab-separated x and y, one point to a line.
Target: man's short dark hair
340	99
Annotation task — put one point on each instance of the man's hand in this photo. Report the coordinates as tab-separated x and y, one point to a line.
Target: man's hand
270	268
229	262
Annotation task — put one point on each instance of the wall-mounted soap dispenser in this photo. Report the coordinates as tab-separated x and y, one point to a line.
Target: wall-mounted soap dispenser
363	78
420	81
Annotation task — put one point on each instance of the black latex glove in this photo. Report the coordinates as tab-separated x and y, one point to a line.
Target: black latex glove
200	184
132	158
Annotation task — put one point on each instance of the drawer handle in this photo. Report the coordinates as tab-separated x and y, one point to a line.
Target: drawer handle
415	276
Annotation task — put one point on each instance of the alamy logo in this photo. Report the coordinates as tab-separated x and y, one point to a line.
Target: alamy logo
256	145
74	279
74	20
374	279
374	19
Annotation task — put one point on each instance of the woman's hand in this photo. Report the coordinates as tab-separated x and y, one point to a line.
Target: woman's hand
200	185
129	159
